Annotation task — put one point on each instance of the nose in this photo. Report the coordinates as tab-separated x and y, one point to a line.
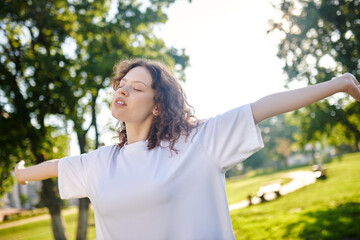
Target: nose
123	91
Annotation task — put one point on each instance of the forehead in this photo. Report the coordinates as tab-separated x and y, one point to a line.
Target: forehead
139	74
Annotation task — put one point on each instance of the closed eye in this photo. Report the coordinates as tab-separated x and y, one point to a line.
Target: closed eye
120	85
138	87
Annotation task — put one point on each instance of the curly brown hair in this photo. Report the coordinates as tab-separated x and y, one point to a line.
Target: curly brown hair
176	116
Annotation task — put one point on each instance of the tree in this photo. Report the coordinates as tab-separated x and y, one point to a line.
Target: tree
318	41
32	82
55	58
283	149
278	138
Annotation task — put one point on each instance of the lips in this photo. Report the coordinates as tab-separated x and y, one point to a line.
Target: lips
119	102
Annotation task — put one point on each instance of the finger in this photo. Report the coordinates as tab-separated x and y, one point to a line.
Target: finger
23	183
349	74
352	77
21	164
355	93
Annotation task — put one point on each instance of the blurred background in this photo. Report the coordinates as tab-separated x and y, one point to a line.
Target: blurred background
55	74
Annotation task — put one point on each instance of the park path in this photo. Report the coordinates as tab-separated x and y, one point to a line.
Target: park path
37	218
299	179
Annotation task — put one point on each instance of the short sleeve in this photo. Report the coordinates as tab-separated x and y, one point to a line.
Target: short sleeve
231	137
72	177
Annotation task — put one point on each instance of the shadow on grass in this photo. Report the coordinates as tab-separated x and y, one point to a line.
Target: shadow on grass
341	222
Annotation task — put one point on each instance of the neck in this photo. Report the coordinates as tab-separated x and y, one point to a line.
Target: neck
137	132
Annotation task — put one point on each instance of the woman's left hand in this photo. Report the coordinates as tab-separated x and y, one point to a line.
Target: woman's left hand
349	85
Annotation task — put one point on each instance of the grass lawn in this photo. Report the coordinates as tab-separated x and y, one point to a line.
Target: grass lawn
328	209
41	230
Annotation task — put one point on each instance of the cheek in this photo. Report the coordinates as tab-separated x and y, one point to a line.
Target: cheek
146	102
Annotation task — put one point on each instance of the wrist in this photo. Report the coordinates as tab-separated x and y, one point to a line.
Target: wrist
338	84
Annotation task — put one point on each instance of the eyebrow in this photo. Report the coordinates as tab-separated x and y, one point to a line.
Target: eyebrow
136	81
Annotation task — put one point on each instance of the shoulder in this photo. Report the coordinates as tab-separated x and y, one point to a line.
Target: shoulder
104	151
102	157
108	148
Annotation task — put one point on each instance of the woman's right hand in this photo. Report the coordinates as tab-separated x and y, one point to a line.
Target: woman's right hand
18	172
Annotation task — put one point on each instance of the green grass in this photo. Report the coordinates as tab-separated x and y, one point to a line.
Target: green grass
328	209
41	230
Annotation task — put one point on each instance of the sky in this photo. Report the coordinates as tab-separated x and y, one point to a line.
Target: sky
232	59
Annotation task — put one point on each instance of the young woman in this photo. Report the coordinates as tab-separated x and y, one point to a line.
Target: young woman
165	179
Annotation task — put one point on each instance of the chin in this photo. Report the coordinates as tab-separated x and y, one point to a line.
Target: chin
116	117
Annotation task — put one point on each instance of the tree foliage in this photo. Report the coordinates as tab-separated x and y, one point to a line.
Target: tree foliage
278	137
56	56
319	40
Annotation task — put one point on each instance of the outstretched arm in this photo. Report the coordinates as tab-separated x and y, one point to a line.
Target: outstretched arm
287	101
42	171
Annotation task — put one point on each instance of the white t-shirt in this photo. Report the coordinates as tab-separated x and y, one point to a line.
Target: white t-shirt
158	194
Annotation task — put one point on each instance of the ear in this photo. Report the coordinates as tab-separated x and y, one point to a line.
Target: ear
156	111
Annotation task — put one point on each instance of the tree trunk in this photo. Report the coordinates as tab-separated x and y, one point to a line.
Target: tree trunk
83	218
53	203
83	202
50	197
285	163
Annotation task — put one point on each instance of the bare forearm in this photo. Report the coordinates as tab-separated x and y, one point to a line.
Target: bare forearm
283	102
42	171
